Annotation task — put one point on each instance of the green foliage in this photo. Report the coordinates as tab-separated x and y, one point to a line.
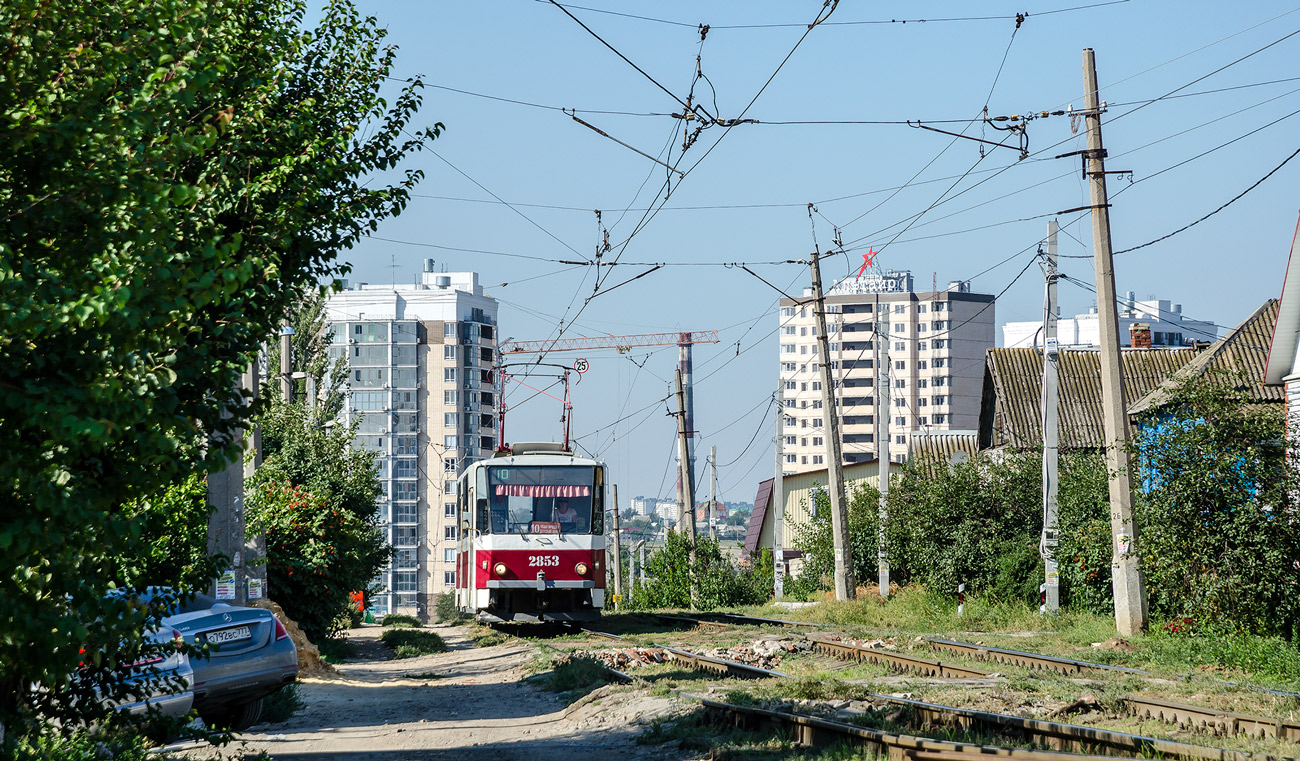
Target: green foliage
299	448
814	539
444	608
173	547
409	643
483	636
173	174
719	582
577	676
337	649
316	554
401	621
82	745
1083	520
281	705
1220	539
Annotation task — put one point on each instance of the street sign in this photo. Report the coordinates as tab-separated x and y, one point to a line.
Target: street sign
581	366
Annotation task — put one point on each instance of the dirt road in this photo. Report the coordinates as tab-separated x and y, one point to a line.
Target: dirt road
478	708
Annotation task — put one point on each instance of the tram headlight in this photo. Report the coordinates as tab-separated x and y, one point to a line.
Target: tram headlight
581	568
499	569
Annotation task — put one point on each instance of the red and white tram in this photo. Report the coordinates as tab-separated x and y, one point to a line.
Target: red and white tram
532	536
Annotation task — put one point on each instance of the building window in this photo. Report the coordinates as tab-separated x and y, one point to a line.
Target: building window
406	536
787	367
940	362
787	311
818	441
817	386
920	365
940	325
941	343
817	422
920	308
448	487
448	532
449	398
449	578
818	459
940	419
405	422
404	581
449	351
900	346
920	345
803	349
450	419
792	459
900	383
790	385
448	375
900	402
404	512
790	440
449	509
406	490
404	559
405	467
921	402
899	309
817	404
449	465
940	382
900	439
921	383
789	422
922	420
920	328
899	327
787	330
787	348
370	377
941	399
449	442
900	365
404	445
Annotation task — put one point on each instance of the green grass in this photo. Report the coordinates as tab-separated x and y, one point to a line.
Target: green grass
280	705
575	677
401	620
337	650
410	643
425	675
81	745
484	636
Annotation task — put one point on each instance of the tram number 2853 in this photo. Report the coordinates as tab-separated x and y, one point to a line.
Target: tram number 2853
542	561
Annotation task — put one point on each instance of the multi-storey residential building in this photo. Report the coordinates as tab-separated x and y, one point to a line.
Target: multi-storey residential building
1168	327
420	361
936	347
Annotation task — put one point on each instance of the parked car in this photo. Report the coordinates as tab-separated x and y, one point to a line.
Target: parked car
250	655
163	679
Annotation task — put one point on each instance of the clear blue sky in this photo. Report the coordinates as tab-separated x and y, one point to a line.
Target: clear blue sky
764	175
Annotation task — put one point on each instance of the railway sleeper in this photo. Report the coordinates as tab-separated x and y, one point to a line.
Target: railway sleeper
896	661
1219	723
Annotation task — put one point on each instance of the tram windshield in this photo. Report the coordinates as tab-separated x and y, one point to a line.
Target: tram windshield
542	500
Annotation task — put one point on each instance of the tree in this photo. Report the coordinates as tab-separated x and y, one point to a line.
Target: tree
314	495
1221	532
173	174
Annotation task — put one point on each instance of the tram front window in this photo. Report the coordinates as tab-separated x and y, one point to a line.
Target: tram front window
541	500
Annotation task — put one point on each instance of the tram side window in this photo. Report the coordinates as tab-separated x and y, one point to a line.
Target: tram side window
555	499
481	508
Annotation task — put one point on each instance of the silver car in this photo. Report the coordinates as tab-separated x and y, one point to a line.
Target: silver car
250	655
163	680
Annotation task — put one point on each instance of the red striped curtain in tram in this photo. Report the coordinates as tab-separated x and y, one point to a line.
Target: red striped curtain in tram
542	490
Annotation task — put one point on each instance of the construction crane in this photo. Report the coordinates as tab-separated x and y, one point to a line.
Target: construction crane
624	344
683	340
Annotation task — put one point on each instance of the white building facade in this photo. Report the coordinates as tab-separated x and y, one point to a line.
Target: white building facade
1168	327
420	366
937	341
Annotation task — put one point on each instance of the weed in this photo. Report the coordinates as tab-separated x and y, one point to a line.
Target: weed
444	607
401	620
425	675
280	705
409	643
739	698
337	650
486	637
577	676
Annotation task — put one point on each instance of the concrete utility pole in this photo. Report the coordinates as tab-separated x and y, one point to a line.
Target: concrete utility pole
686	510
1126	571
713	492
778	501
882	447
845	583
1047	544
286	363
685	366
245	577
618	555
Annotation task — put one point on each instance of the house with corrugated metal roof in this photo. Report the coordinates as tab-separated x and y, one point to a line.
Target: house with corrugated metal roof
1282	369
1011	406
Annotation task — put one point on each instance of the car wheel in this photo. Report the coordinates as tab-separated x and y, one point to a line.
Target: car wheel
235	718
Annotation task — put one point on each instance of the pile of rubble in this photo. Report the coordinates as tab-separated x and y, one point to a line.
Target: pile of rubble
766	652
625	658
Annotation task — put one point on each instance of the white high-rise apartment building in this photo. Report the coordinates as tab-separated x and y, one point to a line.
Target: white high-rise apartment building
1168	327
937	341
420	361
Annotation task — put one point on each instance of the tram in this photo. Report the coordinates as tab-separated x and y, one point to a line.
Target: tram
531	544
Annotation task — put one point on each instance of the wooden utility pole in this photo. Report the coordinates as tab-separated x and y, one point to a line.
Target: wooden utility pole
1051	398
618	555
1126	571
882	448
845	583
778	501
686	515
713	492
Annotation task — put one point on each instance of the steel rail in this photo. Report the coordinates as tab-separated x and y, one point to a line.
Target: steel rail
896	661
1028	660
1216	721
815	731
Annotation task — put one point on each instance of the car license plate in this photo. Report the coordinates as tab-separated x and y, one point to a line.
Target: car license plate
223	636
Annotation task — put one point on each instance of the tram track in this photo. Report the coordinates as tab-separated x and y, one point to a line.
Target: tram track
1063	740
1198	718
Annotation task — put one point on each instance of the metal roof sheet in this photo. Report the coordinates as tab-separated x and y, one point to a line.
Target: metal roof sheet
1010	413
1242	354
941	448
761	503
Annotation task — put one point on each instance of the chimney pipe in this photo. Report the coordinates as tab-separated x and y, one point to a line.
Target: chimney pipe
1140	335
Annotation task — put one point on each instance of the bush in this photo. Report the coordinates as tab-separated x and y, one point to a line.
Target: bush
720	583
444	608
401	620
280	705
577	675
337	649
409	643
82	745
